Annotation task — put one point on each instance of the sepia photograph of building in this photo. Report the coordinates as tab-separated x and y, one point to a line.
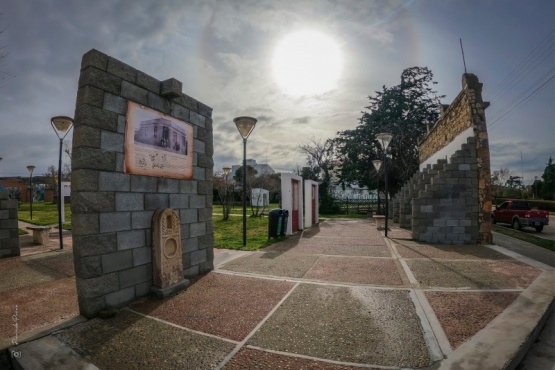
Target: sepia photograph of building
163	134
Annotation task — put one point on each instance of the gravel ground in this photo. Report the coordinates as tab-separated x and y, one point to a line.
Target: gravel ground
463	314
360	250
345	241
411	249
374	271
130	341
304	248
59	261
288	265
473	274
358	325
396	233
518	274
37	305
348	228
17	273
248	358
223	305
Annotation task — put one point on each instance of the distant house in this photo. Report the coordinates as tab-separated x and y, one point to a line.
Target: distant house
261	169
260	197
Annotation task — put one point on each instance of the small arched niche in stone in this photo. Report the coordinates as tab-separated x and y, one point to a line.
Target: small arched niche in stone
167	258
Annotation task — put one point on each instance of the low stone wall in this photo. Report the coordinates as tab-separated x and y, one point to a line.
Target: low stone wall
112	210
446	209
9	233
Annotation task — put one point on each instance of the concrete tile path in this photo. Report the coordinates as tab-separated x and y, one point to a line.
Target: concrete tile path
338	296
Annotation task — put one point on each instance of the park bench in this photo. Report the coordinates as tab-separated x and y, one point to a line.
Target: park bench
379	221
41	234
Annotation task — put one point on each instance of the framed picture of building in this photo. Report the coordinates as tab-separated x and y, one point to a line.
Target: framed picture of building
157	144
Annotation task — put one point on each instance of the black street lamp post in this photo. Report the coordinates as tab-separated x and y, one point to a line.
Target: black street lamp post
225	204
61	125
384	139
31	169
245	125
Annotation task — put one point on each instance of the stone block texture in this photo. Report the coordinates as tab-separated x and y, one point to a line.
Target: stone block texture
449	202
9	236
112	209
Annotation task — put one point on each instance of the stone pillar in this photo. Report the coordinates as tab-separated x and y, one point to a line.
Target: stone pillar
478	107
9	235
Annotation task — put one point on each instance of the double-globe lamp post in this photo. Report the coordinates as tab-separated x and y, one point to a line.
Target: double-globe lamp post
384	139
31	169
61	125
245	125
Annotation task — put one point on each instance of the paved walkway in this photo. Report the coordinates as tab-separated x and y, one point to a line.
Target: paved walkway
337	296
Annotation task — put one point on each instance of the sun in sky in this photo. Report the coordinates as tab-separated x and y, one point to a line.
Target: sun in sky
307	63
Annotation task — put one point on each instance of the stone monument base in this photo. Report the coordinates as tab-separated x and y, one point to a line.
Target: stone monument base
171	290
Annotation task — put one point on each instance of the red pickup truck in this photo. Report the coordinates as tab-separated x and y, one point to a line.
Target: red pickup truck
519	214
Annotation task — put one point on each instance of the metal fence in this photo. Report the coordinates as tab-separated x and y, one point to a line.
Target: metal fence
363	204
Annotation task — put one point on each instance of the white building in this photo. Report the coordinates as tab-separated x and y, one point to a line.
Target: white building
352	191
260	197
261	169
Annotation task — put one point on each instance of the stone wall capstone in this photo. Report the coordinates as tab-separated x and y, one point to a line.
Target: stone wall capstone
112	210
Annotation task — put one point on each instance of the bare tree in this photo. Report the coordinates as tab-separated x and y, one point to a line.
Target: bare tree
321	162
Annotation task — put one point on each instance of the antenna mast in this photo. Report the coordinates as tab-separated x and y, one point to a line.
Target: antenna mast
462	50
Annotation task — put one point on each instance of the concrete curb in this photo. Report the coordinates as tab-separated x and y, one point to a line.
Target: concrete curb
6	356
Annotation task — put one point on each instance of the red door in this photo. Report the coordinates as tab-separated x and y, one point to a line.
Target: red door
295	213
313	204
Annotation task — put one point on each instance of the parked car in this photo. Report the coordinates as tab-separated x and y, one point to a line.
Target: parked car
519	215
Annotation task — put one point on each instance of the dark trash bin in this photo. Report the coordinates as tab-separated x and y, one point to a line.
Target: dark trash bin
275	223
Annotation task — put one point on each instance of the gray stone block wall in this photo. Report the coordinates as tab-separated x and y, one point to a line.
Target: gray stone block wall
445	211
9	234
111	210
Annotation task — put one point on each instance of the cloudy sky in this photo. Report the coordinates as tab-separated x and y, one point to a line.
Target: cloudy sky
231	55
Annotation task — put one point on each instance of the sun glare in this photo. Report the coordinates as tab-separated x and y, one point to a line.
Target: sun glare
307	63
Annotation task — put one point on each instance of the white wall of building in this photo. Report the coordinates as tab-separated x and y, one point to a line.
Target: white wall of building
309	185
450	149
287	199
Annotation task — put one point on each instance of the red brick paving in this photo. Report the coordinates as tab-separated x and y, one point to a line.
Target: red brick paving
38	305
463	314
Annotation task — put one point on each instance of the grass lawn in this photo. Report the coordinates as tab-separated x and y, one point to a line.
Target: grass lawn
540	242
347	215
238	210
229	234
44	213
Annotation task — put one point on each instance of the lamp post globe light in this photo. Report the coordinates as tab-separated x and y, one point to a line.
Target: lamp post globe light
61	125
31	169
384	139
377	165
245	125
